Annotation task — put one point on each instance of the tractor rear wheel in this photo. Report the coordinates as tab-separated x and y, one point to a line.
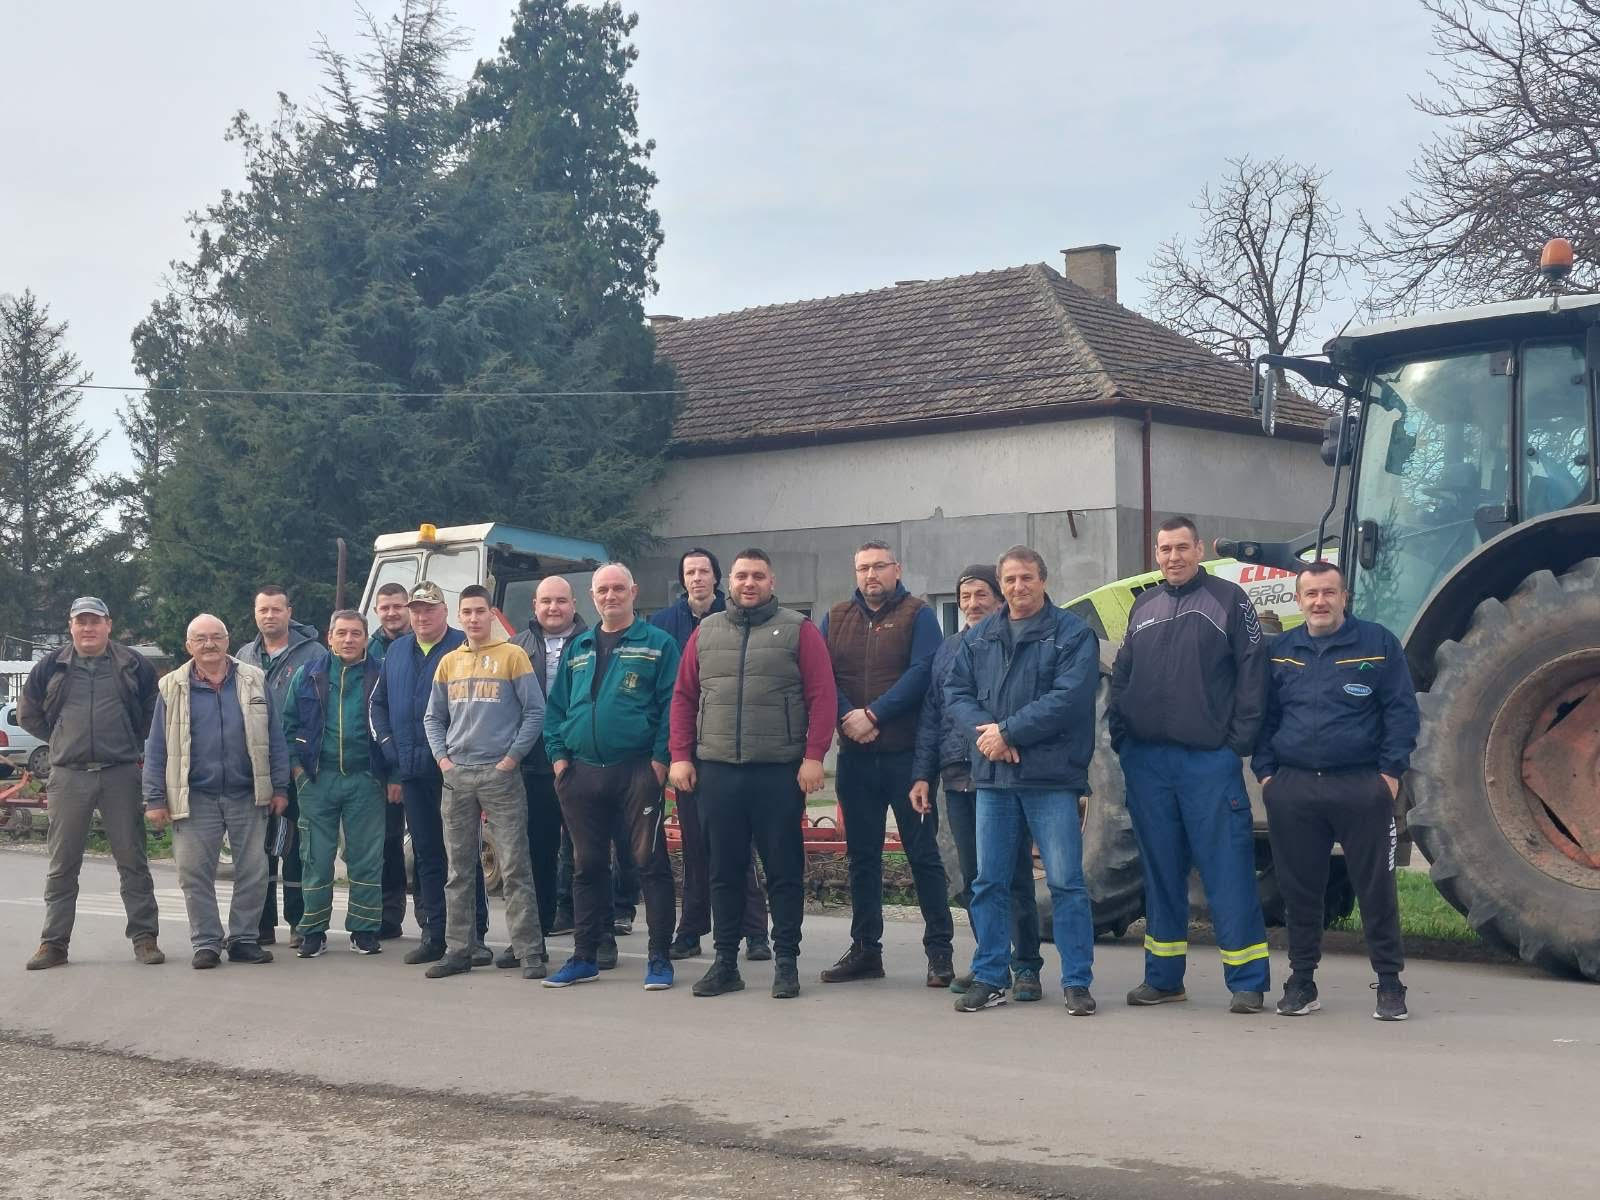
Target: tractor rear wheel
1505	783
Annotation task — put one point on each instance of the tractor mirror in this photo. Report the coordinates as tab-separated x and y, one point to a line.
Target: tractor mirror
1264	399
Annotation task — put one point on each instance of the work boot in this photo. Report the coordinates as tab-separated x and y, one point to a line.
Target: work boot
451	964
205	960
269	938
46	956
1246	1002
427	952
482	956
757	948
1027	986
147	952
538	967
605	955
722	977
856	963
785	979
248	952
1144	996
684	947
941	971
508	959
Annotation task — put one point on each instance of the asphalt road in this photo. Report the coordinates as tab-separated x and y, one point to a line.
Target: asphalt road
851	1089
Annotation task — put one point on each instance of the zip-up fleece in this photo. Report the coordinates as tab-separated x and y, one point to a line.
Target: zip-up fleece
1343	701
485	706
325	717
631	715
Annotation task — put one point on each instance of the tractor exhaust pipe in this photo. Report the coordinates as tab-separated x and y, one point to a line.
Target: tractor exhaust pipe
339	573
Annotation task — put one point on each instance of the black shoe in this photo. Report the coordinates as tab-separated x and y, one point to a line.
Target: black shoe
785	979
1079	1002
1144	995
508	959
722	977
248	952
622	926
980	996
206	960
482	956
757	948
961	983
388	932
605	956
1391	1002
684	947
1246	1002
364	941
312	945
427	952
856	963
562	923
267	938
941	971
1299	998
450	964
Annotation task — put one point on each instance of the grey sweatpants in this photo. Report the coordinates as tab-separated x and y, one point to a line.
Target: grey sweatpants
472	797
74	796
197	845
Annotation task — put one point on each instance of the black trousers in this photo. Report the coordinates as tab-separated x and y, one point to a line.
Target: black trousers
695	919
869	785
759	802
394	865
288	868
624	879
1307	812
594	800
544	840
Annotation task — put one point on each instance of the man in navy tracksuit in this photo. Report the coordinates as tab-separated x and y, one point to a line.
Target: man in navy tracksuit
1186	702
1340	726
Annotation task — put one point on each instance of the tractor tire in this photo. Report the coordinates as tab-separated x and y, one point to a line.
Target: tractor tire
1111	868
1523	868
1338	900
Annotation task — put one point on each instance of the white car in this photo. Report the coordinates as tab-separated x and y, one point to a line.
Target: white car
19	748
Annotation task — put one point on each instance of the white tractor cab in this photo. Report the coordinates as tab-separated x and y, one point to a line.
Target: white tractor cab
507	560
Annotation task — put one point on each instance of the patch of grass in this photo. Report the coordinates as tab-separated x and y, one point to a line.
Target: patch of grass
1424	913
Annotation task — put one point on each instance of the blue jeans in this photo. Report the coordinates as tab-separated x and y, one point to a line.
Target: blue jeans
961	813
422	799
1051	816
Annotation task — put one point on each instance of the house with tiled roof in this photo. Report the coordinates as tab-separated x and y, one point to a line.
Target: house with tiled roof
952	418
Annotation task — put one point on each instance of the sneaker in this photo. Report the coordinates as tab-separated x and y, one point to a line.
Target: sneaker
757	948
508	959
722	977
1144	995
961	983
1027	986
46	956
1247	1002
1079	1002
312	945
574	970
684	947
562	923
248	952
388	931
457	963
658	975
1299	998
147	952
855	963
365	941
941	971
980	996
605	957
205	960
482	956
538	967
622	926
785	980
1391	1002
427	952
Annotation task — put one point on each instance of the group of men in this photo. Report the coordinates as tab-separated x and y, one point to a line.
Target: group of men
557	744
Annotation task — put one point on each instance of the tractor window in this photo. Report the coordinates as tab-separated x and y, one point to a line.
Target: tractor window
401	570
453	569
1435	450
1555	428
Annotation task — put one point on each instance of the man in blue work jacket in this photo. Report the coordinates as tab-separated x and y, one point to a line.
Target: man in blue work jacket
1187	694
1340	727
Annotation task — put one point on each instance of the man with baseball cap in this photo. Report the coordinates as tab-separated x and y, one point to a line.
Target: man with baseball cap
398	704
92	701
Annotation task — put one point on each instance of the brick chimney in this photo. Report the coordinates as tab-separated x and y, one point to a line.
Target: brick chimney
659	321
1093	268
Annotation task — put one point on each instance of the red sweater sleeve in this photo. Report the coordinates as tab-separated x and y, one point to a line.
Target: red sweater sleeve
822	694
686	701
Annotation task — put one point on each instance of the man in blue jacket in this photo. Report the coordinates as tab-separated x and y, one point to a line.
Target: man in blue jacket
944	755
398	704
1024	683
1340	726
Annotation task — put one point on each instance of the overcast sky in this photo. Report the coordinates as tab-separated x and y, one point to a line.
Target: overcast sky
804	149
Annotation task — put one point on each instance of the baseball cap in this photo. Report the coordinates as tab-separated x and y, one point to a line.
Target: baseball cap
89	604
426	593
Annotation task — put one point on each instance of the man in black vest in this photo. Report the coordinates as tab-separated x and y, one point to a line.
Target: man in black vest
882	642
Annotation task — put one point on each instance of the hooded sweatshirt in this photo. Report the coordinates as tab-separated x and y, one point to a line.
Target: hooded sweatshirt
303	650
486	705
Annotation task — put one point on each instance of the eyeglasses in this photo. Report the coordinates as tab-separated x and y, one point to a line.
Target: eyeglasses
876	568
209	639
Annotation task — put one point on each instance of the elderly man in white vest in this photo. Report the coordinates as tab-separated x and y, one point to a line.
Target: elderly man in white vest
216	763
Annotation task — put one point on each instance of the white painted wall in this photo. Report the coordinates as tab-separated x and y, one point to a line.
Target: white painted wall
1248	477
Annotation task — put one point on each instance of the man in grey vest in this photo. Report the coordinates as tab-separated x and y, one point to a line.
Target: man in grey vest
216	763
752	717
92	702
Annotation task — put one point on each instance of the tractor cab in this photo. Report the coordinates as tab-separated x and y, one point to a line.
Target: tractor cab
509	561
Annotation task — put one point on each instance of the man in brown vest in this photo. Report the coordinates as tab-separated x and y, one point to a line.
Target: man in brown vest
882	642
